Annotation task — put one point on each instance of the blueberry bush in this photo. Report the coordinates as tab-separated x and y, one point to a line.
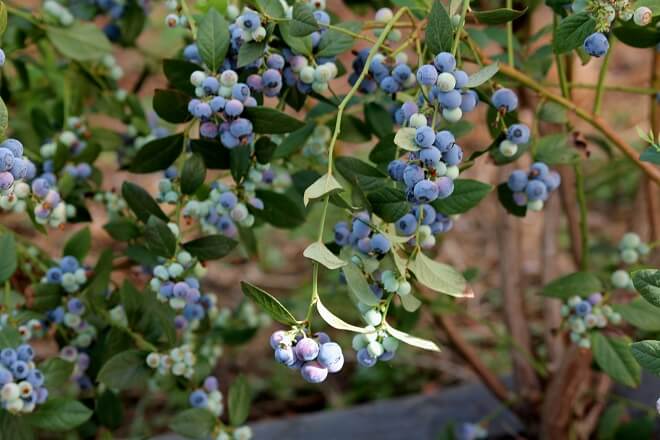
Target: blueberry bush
350	129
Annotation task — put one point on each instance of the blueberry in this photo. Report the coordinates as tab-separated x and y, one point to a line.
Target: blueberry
444	140
272	79
211	384
401	72
69	264
210	85
13	145
596	44
427	75
461	78
217	103
208	129
361	227
250	21
229	140
307	349
25	353
6	159
76	306
536	190
453	156
313	372
387	356
389	85
240	92
8	356
412	174
427	212
430	157
202	110
407	224
275	61
331	357
426	191
240	127
469	101
445	62
233	108
380	244
517	181
20	369
552	180
365	359
35	378
198	399
54	275
395	169
445	186
583	308
540	170
285	356
505	99
322	17
451	99
341	233
6	180
518	133
276	338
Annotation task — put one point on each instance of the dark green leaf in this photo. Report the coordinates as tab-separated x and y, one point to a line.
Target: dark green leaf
647	353
505	196
467	194
194	423
9	260
303	22
215	155
178	74
647	283
572	32
159	238
210	247
385	151
271	121
250	52
389	203
498	16
78	245
293	142
239	159
580	284
334	42
14	427
122	229
378	119
637	36
9	338
59	414
268	304
172	105
157	155
109	410
140	202
239	401
193	174
613	356
80	41
264	149
439	34
56	372
279	210
213	39
127	369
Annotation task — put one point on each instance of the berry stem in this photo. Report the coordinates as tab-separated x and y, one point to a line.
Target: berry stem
189	17
601	79
584	226
461	25
509	36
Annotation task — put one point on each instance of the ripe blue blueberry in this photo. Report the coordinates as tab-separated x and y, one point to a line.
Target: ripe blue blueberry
313	372
198	399
341	233
331	357
445	186
365	359
395	169
518	134
445	62
6	180
461	79
427	75
76	306
469	101
54	275
69	264
444	140
250	21
536	190
583	308
451	99
284	355
25	353
275	61
552	180
412	174
6	159
307	349
517	181
430	157
240	127
424	137
364	245
13	145
401	72
380	244
19	369
228	140
276	338
505	99
426	191
427	212
407	224
217	103
389	84
453	156
596	44
240	92
210	85
540	170
233	108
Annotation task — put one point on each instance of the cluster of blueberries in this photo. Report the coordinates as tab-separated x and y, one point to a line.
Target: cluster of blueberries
21	382
314	357
425	223
361	236
14	166
208	397
167	192
583	315
71	316
429	173
179	361
224	210
51	209
533	188
390	79
69	274
375	345
630	249
177	284
81	362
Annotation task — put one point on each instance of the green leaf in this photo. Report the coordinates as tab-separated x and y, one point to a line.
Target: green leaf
172	105
325	184
210	247
637	36
9	338
334	42
334	321
410	303
3	18
610	421
59	414
14	427
264	149
385	151
439	34
159	238
178	74
272	7
239	162
215	155
157	155
9	260
250	52
388	203
483	75
505	196
192	174
78	245
572	32
412	340
467	194
378	119
318	252
127	369
98	284
358	285
56	372
303	22
279	210
360	174
269	304
651	154
555	150
268	120
80	41
498	16
353	129
293	142
553	112
140	202
647	353
239	401
299	45
640	314
195	423
4	118
439	277
646	282
613	356
580	284
213	39
109	409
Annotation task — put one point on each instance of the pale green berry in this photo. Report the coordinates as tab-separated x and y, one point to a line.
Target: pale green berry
375	349
535	205
508	148
184	258
373	317
404	288
390	343
642	16
307	74
620	279
153	360
446	82
359	342
630	240
452	115
629	256
175	270
418	120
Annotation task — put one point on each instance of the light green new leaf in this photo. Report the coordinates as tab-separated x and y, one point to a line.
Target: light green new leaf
358	285
424	344
440	277
405	139
269	304
613	356
336	322
325	184
477	79
81	41
318	252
